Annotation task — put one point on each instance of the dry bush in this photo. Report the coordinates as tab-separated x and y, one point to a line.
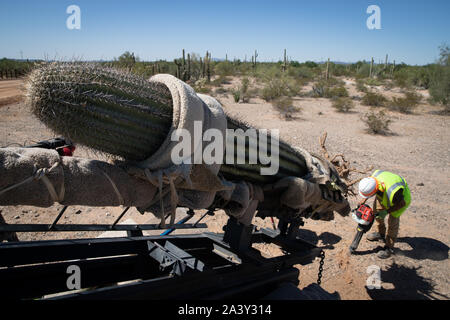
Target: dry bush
319	89
279	87
336	92
285	106
360	86
331	88
201	86
377	123
343	104
245	82
406	104
374	99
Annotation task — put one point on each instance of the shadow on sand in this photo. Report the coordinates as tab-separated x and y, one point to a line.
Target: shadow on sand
328	239
408	285
421	248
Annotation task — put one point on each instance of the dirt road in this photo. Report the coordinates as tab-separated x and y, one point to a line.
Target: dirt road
417	149
11	91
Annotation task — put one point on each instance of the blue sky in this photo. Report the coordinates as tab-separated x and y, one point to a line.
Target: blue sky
411	31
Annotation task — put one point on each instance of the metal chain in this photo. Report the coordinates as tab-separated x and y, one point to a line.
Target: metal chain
322	260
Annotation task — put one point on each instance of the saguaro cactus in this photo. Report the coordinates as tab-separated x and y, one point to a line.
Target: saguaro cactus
111	111
125	115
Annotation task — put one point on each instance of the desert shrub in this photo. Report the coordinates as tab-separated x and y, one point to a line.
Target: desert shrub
373	82
220	80
407	103
440	80
332	81
374	99
279	87
301	72
323	89
388	85
236	94
285	107
244	89
343	104
224	69
361	86
401	78
363	70
377	123
336	92
201	86
318	89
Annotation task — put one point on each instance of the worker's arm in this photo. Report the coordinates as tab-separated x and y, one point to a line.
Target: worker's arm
398	201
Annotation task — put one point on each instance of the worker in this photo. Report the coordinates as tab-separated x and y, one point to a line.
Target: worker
392	198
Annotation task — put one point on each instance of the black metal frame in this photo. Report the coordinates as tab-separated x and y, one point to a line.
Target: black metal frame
194	266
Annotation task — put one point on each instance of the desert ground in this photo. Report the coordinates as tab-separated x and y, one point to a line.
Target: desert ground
417	148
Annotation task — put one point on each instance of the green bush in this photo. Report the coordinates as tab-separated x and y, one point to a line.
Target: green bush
319	89
285	107
325	89
374	82
360	86
406	104
244	89
301	72
236	95
440	79
343	104
374	99
336	92
279	87
224	69
201	86
377	123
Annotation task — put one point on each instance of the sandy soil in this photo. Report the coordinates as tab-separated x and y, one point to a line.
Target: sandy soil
11	91
417	149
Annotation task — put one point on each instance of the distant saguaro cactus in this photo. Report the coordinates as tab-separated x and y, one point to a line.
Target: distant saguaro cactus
105	109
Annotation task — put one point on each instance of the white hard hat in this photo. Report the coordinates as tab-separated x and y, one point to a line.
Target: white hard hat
368	187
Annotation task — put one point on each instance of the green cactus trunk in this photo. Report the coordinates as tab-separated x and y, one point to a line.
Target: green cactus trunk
124	115
102	108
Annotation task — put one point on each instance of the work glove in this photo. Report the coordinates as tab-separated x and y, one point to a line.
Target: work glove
382	214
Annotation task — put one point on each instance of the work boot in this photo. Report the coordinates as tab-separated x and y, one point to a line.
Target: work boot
374	236
385	253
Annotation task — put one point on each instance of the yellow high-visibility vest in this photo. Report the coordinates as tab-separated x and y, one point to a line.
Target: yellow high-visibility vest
392	183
